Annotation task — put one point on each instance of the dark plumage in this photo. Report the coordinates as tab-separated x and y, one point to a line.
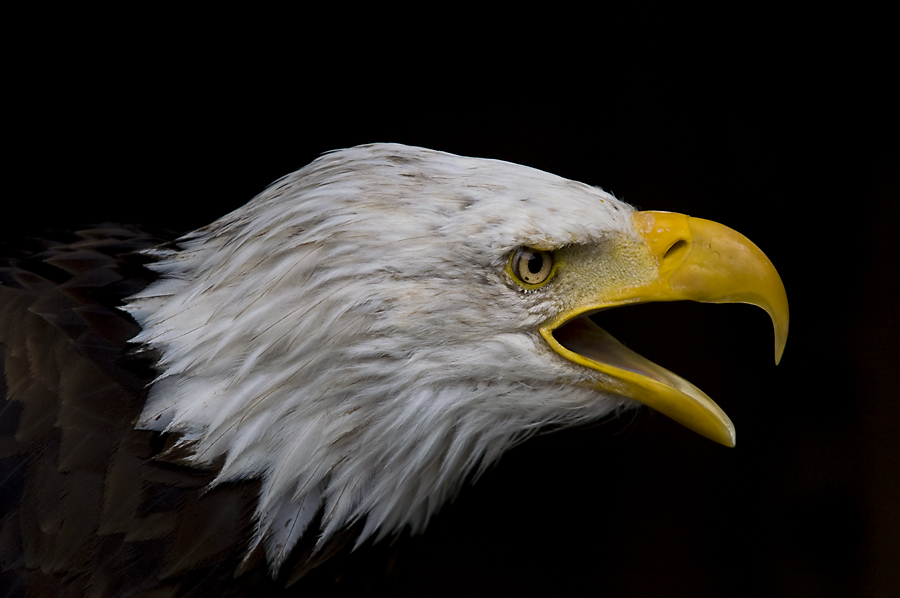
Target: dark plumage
108	510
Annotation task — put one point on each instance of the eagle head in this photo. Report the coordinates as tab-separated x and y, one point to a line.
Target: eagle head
381	325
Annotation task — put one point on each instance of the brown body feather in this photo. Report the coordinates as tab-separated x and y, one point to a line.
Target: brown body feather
90	505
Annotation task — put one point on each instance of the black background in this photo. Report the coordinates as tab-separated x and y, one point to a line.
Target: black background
795	147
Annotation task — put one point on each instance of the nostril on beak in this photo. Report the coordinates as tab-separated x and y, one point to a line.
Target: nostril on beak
676	248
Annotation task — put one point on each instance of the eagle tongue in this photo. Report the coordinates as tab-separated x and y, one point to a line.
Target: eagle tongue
583	336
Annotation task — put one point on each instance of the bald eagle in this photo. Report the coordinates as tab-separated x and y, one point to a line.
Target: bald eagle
326	365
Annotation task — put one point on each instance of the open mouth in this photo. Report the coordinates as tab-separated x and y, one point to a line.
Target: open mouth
582	341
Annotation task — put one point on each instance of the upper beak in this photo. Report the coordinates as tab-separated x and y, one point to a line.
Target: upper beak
693	259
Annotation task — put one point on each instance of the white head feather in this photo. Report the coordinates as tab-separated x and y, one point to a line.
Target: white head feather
352	338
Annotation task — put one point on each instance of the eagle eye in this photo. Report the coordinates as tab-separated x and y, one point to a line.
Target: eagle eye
532	266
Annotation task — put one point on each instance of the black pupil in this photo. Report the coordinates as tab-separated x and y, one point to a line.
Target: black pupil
535	263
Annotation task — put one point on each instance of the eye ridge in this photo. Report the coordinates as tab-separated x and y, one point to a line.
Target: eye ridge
532	266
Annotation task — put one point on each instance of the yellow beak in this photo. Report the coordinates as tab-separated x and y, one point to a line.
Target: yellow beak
690	258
